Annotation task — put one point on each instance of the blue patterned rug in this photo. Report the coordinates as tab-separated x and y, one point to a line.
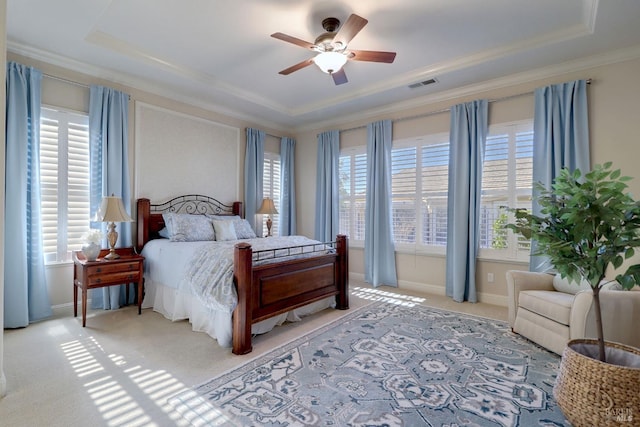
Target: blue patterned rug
388	365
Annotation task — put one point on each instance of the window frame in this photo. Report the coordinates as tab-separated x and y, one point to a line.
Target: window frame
353	197
66	165
419	143
272	188
512	253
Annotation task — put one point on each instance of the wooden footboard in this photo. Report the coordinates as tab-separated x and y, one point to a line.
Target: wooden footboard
270	289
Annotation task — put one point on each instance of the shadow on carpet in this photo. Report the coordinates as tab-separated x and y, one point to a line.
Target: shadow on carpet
387	365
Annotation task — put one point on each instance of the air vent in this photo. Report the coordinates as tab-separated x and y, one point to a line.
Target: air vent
420	84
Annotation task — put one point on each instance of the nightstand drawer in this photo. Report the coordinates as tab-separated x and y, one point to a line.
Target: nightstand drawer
115	277
106	267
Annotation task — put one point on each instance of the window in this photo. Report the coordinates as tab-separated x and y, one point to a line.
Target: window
352	186
64	176
507	177
419	199
271	189
420	183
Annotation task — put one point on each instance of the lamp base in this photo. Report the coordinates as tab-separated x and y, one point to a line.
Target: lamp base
112	237
269	223
112	254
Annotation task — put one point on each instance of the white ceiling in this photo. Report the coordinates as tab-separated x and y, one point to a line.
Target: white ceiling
219	54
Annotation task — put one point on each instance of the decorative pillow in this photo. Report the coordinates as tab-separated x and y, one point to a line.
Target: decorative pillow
564	285
164	232
189	228
168	222
243	229
225	230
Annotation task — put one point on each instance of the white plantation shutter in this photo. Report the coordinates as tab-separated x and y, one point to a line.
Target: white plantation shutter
49	184
404	194
506	183
271	189
64	175
435	186
353	184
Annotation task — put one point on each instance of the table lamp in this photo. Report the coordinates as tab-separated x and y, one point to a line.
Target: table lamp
268	208
112	210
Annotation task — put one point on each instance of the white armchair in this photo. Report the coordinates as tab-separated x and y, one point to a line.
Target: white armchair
551	317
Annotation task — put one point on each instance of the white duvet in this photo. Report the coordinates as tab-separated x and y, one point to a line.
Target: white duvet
180	285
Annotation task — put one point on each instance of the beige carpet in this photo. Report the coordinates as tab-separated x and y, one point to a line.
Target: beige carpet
121	368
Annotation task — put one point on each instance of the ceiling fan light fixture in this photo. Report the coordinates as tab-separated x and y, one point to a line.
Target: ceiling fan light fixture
330	62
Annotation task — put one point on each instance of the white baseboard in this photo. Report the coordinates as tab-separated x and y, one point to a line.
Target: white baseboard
407	285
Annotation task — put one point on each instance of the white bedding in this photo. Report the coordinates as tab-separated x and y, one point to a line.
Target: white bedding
168	293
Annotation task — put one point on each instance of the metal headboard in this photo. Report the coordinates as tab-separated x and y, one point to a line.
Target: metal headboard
193	204
150	220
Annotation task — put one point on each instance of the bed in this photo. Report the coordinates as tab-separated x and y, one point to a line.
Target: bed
272	284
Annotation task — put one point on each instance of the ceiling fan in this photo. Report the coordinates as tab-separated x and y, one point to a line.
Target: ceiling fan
332	48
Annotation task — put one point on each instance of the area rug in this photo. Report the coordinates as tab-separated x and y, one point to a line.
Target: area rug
388	365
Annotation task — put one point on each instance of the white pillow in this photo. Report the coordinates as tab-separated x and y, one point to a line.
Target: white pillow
564	285
225	230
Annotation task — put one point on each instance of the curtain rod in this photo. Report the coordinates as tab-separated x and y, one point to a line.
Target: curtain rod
446	110
66	80
71	82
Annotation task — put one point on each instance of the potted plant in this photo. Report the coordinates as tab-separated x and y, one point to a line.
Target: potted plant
588	224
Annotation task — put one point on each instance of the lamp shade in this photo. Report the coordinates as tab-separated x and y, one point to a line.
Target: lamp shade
330	62
112	210
267	207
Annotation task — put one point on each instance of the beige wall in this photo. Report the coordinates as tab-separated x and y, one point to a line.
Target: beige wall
614	122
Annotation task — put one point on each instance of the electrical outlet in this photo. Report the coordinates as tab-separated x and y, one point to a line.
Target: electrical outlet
490	277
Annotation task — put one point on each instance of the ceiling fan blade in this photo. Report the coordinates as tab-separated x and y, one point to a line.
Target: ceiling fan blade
349	30
294	40
371	56
296	67
339	77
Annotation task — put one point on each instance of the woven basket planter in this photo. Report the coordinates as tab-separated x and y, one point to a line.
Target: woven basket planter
593	393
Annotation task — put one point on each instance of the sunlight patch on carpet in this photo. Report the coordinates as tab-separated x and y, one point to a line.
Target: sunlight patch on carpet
390	364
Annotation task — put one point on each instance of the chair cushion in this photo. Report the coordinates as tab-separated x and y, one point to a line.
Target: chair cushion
569	287
553	305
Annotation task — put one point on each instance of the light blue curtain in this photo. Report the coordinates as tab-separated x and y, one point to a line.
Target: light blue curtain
327	189
109	153
253	170
26	298
287	222
468	134
379	250
560	140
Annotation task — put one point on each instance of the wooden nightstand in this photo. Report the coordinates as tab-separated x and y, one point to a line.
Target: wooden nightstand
129	268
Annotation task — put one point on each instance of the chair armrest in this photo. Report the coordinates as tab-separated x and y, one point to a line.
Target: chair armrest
620	316
518	281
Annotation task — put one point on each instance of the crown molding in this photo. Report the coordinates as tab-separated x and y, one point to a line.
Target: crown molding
452	65
582	64
137	84
119	46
